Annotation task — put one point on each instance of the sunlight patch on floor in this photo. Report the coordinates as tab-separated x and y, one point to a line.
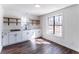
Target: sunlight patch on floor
41	41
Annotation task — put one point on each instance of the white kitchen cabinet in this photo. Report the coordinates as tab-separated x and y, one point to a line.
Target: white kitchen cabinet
5	39
37	33
19	37
27	35
30	34
24	35
15	37
12	38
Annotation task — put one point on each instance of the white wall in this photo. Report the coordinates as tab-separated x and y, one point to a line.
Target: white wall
33	17
70	37
1	22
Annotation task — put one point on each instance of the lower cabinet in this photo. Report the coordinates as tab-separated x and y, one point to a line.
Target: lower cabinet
16	37
12	38
37	33
19	37
5	39
24	35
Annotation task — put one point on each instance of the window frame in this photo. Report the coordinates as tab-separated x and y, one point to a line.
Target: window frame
54	22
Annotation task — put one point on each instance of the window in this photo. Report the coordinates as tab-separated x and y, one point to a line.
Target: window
50	24
58	25
55	25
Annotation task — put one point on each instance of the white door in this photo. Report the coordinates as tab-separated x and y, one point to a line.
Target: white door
5	39
12	38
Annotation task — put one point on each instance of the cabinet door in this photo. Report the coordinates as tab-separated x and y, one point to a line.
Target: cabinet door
12	38
5	39
37	33
31	35
24	35
19	37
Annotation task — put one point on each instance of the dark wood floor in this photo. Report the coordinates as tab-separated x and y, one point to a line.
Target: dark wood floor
37	47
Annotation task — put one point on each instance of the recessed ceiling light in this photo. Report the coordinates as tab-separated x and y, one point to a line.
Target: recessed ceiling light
37	6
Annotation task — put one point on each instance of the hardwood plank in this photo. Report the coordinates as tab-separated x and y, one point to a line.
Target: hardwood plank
40	46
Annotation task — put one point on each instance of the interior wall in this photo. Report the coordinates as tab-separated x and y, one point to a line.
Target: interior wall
33	17
70	36
1	23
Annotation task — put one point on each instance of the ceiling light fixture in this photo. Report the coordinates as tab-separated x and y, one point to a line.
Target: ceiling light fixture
37	6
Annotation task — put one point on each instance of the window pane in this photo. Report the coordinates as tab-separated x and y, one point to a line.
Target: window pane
50	24
58	20
50	20
58	30
61	19
50	29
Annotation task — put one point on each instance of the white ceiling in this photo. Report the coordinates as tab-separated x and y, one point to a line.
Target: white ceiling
22	9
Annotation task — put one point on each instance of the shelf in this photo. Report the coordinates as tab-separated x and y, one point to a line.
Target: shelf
9	20
36	22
